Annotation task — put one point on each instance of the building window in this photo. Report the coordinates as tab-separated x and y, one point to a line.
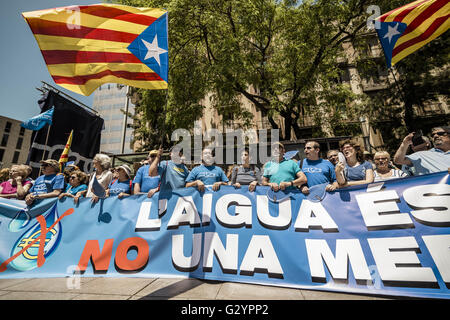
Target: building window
5	140
16	157
8	127
22	131
19	143
2	152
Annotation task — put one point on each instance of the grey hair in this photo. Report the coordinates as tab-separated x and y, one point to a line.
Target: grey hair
104	160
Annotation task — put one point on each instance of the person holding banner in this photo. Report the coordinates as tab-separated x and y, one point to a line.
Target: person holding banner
144	182
282	174
383	170
101	163
173	173
356	171
206	173
17	186
246	173
436	159
48	185
77	184
122	186
317	170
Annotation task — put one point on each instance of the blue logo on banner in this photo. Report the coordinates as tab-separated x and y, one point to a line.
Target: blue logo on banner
28	259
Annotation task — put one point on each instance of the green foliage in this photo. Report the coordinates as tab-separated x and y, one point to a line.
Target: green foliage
281	56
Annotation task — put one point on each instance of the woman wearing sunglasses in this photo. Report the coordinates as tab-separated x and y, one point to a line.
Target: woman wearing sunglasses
77	184
383	169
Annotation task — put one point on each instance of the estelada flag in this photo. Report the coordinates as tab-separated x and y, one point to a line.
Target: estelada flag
404	30
87	46
65	154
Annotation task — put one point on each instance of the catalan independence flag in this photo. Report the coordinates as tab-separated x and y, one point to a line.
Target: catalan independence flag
87	46
65	154
406	29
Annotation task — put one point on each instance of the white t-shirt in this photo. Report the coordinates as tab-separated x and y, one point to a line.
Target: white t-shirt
396	173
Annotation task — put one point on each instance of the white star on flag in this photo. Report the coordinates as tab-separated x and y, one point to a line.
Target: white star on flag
153	50
392	31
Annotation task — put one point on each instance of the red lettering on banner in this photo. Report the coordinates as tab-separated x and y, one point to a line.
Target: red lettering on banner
99	259
41	239
140	245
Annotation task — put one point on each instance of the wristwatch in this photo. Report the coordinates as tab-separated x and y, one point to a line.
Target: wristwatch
292	183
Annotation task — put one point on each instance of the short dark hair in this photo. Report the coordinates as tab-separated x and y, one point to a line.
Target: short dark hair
445	128
315	144
357	147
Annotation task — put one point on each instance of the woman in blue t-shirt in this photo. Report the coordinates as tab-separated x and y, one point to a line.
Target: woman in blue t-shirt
122	186
356	171
76	186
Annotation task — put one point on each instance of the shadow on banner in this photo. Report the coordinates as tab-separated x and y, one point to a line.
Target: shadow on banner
67	116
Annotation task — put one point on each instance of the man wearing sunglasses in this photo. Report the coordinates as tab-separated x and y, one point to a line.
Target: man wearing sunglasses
48	185
436	159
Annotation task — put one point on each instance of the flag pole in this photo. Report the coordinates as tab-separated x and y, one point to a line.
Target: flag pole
167	90
398	86
46	141
125	117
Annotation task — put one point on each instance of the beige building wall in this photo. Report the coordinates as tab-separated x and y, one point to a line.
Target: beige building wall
109	99
14	142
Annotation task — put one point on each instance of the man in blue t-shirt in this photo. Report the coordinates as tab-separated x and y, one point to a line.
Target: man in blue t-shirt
173	172
316	169
48	185
206	173
145	183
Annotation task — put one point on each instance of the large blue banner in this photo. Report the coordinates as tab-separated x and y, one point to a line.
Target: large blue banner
390	238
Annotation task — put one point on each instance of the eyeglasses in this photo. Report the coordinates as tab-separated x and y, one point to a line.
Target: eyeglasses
309	148
45	165
73	177
439	133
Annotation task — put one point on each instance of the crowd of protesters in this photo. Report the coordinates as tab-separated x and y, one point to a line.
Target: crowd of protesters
348	166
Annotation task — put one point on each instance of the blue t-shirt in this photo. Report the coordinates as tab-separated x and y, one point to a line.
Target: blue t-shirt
46	184
357	173
115	187
75	190
318	171
173	175
144	180
207	174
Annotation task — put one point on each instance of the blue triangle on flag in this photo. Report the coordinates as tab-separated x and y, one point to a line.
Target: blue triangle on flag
152	47
389	33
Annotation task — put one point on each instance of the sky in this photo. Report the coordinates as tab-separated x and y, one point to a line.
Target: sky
22	65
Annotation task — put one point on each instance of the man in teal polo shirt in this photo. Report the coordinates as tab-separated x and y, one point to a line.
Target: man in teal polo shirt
281	174
48	185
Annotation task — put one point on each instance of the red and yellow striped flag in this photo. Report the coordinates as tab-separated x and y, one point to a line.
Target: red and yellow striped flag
87	46
406	29
65	154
